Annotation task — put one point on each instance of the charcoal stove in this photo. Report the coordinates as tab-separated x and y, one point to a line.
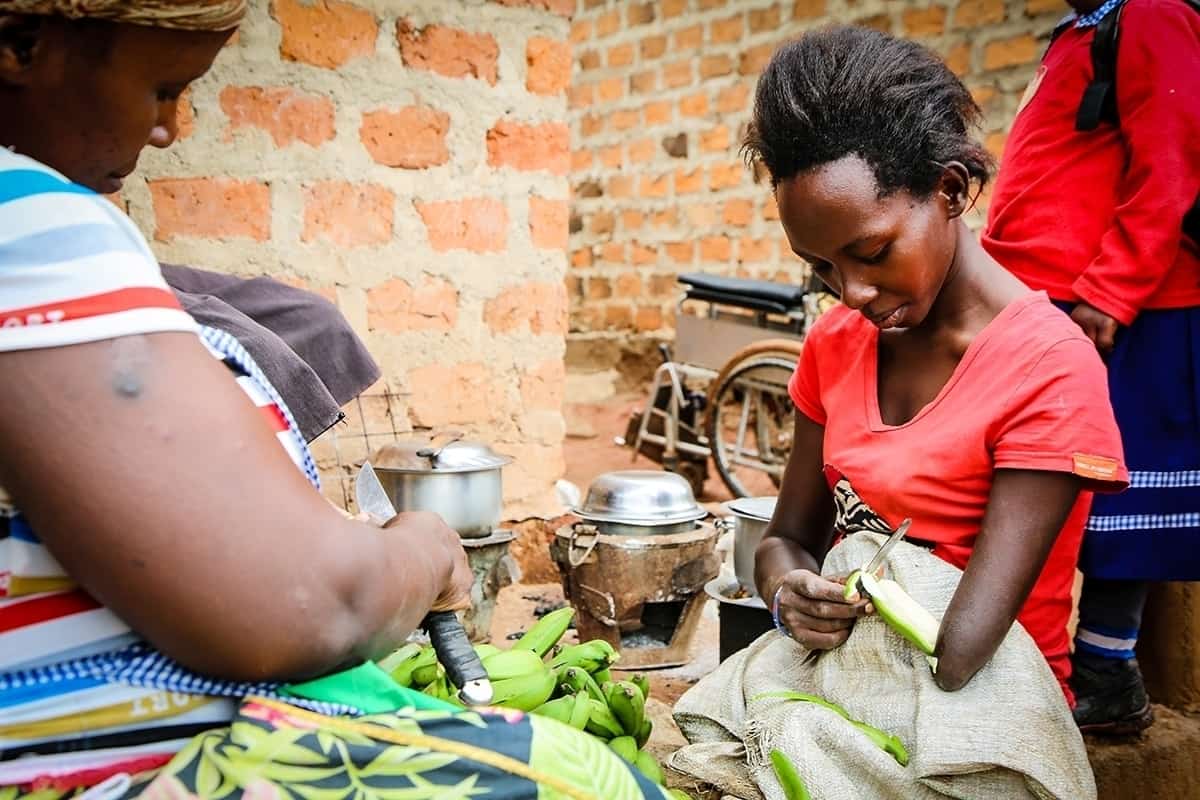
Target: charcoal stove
635	567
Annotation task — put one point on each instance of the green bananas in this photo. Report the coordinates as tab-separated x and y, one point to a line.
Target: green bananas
643	734
627	704
648	766
546	632
571	709
524	692
591	656
601	721
575	679
625	747
643	683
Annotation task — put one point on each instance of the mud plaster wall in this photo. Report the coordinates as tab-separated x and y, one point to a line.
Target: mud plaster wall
407	161
659	99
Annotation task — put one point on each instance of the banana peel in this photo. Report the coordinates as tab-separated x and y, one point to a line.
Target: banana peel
789	777
886	742
904	615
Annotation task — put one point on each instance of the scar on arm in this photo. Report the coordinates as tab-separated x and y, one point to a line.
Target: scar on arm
130	357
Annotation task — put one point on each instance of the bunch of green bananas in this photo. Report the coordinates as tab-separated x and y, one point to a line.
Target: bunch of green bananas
571	684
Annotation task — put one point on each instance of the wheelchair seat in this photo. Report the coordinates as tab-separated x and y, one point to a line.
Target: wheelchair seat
778	298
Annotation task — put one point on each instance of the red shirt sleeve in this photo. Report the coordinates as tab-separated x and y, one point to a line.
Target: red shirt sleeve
1158	102
1059	419
805	386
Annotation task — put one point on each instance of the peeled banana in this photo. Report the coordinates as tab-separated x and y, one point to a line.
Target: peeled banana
903	614
546	632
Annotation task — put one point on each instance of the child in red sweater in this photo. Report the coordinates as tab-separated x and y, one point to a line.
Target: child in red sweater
942	389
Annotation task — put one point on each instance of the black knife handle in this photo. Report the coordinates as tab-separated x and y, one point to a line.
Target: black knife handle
454	650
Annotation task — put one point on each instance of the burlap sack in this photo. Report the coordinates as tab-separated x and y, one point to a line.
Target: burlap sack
1007	734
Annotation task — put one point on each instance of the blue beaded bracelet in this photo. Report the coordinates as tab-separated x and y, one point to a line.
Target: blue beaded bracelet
779	626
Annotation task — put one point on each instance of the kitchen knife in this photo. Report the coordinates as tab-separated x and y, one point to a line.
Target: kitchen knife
877	561
446	632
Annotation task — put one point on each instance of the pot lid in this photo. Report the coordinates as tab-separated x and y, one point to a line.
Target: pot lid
760	508
434	454
640	497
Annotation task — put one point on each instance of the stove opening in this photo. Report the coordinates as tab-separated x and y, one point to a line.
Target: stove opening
654	627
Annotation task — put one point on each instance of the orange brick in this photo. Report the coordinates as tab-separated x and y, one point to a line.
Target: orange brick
448	51
808	9
641	254
755	250
715	66
643	82
548	223
880	22
542	307
726	31
639	14
631	220
648	318
681	252
642	150
715	248
673	8
654	46
995	144
959	59
733	98
395	307
738	212
690	181
688	38
1035	7
614	252
667	218
620	55
589	59
619	186
770	208
703	215
624	119
185	116
695	105
925	21
629	284
608	24
591	124
654	186
612	156
581	31
971	13
530	147
547	64
348	214
610	90
753	61
581	160
581	258
724	176
588	318
617	317
543	385
658	113
715	139
982	94
677	74
326	34
479	224
764	19
211	208
580	95
452	394
412	137
286	114
1010	52
564	8
662	286
602	223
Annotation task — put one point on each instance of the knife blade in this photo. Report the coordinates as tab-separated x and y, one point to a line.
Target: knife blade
446	632
877	560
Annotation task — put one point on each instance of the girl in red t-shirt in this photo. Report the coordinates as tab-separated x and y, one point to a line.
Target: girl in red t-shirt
943	389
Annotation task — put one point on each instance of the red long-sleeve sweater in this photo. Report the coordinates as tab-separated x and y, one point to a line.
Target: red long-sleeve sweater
1097	215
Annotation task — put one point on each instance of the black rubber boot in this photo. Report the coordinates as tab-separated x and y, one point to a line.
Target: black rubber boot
1110	698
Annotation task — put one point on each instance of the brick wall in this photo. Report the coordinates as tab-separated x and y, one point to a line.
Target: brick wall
409	162
659	100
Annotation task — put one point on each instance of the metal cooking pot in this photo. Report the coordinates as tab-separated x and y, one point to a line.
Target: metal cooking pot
751	515
641	502
460	481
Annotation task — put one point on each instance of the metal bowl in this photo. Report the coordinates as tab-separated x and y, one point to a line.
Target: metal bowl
640	497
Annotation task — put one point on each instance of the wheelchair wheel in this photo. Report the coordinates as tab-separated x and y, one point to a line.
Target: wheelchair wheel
751	418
